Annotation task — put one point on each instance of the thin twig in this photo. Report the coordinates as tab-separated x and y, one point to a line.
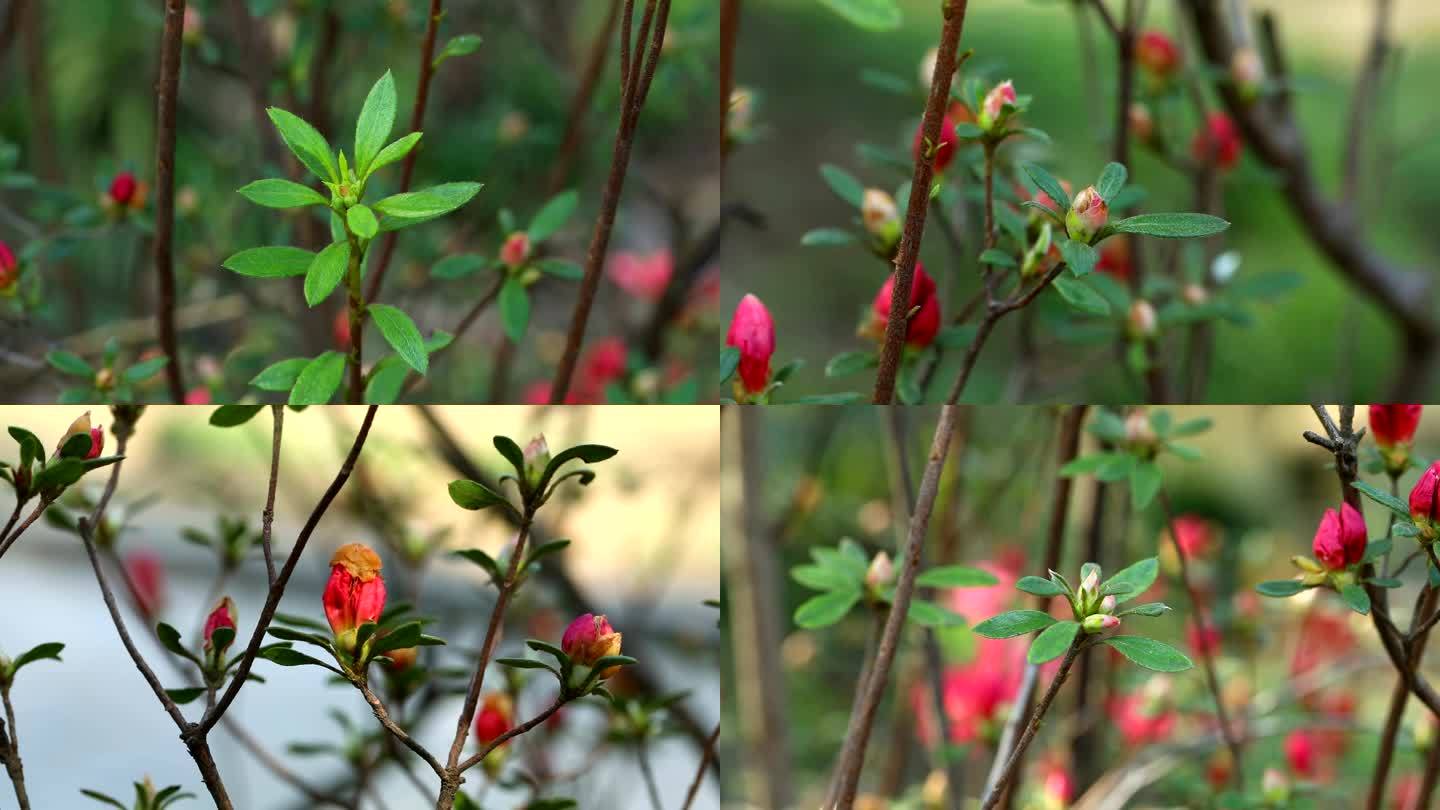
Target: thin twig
167	90
19	530
381	714
1012	762
10	751
584	96
479	756
648	773
636	79
267	517
1363	100
705	757
898	322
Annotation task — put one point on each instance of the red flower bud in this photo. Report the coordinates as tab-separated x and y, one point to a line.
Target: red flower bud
355	593
145	572
1088	214
495	718
1217	143
1340	539
222	615
752	332
644	276
925	324
1425	497
1300	752
516	249
1394	424
1157	53
123	187
9	268
1115	258
944	150
80	427
590	638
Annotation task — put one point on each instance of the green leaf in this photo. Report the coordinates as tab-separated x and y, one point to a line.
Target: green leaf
1151	609
1149	653
69	363
40	652
826	609
362	221
227	416
966	129
1081	295
823	578
474	495
1383	498
729	361
453	267
955	576
1112	179
1280	588
1145	480
1139	576
144	370
1190	427
306	142
847	363
460	45
185	695
552	216
1356	597
395	151
871	15
270	262
170	640
376	120
428	203
318	381
282	375
402	335
514	309
997	257
827	237
512	452
1079	257
406	635
1053	642
1377	549
1171	226
325	272
1039	587
286	657
102	798
560	268
844	184
929	614
1048	184
276	193
1014	623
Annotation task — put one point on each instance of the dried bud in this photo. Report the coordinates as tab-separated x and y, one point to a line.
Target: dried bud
590	638
752	332
881	217
80	427
355	593
881	573
1088	214
495	718
9	269
222	615
1340	539
537	458
1143	323
1157	54
516	250
1142	124
1425	502
993	110
1099	623
924	324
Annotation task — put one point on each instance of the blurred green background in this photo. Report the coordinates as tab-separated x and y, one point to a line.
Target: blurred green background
804	64
77	105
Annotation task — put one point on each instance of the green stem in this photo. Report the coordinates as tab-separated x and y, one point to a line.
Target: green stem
357	320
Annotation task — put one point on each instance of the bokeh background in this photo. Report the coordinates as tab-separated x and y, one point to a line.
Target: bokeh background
1311	671
77	105
645	552
804	64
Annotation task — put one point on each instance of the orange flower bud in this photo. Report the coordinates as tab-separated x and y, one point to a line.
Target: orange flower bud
355	593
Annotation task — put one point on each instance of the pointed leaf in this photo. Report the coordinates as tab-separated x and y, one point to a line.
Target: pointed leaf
377	119
276	193
270	262
306	142
402	335
325	272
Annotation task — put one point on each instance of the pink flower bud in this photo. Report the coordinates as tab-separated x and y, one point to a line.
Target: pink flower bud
355	593
1091	582
644	276
752	332
222	615
1275	786
537	458
1108	604
145	572
992	110
1157	54
881	572
881	217
1137	428
123	188
1393	425
1142	322
1340	538
516	250
1099	623
1247	72
1217	143
495	717
80	427
944	150
1088	214
590	638
9	268
199	395
1425	499
924	325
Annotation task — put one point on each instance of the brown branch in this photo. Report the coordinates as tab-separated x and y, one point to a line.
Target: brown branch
1274	135
584	95
267	517
7	542
383	715
10	751
705	758
478	757
729	34
849	767
995	310
1363	101
167	90
898	322
417	120
636	81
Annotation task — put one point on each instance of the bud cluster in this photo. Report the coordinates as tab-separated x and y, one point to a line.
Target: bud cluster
1095	612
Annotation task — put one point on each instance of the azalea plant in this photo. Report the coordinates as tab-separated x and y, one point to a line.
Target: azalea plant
365	626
